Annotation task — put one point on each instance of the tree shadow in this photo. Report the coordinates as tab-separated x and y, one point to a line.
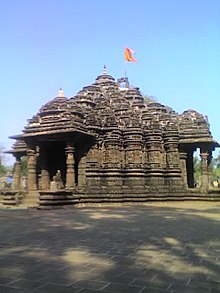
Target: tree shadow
131	248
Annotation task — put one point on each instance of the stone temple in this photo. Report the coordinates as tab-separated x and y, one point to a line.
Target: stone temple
107	144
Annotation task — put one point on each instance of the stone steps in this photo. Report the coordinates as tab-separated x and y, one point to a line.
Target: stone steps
56	199
31	200
62	198
145	198
11	197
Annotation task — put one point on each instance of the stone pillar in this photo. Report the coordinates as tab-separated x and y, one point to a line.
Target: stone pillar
31	170
183	158
70	165
17	173
173	178
82	173
154	147
154	176
204	154
134	175
45	176
45	179
94	158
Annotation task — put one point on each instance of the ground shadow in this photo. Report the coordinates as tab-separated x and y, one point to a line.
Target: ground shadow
132	248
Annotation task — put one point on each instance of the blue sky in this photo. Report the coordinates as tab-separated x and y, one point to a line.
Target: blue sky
48	44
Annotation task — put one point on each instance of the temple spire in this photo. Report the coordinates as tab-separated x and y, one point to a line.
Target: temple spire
60	93
104	71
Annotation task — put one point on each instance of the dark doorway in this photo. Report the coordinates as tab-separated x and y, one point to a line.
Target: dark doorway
56	159
190	169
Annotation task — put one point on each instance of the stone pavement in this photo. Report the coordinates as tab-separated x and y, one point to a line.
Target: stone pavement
157	247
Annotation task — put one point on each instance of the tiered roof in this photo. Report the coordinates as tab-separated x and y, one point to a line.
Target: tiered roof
105	106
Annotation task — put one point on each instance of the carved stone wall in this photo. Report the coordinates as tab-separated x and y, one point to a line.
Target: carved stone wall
109	140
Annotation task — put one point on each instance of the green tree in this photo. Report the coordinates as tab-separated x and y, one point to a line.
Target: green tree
3	168
24	166
149	99
216	167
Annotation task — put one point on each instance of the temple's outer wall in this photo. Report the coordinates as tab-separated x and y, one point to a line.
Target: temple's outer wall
118	163
140	165
113	166
108	142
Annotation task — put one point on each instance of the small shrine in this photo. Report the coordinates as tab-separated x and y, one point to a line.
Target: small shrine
107	144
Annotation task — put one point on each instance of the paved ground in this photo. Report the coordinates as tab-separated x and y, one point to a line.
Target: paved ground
151	248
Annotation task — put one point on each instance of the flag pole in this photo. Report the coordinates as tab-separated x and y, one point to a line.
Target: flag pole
125	68
125	63
128	58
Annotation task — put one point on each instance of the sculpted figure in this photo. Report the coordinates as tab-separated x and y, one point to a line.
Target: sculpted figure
59	181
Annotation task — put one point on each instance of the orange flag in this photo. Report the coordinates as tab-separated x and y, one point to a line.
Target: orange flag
128	55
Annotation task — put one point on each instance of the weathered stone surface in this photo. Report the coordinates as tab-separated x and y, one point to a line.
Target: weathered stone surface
107	140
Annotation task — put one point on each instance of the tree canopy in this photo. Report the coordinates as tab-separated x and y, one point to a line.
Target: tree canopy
149	99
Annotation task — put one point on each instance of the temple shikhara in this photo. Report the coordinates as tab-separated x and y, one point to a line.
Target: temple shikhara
107	144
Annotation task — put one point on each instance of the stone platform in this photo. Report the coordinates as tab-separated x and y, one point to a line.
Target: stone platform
157	247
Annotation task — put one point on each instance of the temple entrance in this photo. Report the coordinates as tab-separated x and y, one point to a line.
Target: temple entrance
190	168
198	162
55	159
197	168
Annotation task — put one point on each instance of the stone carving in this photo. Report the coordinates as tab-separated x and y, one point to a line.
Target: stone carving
121	138
57	182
